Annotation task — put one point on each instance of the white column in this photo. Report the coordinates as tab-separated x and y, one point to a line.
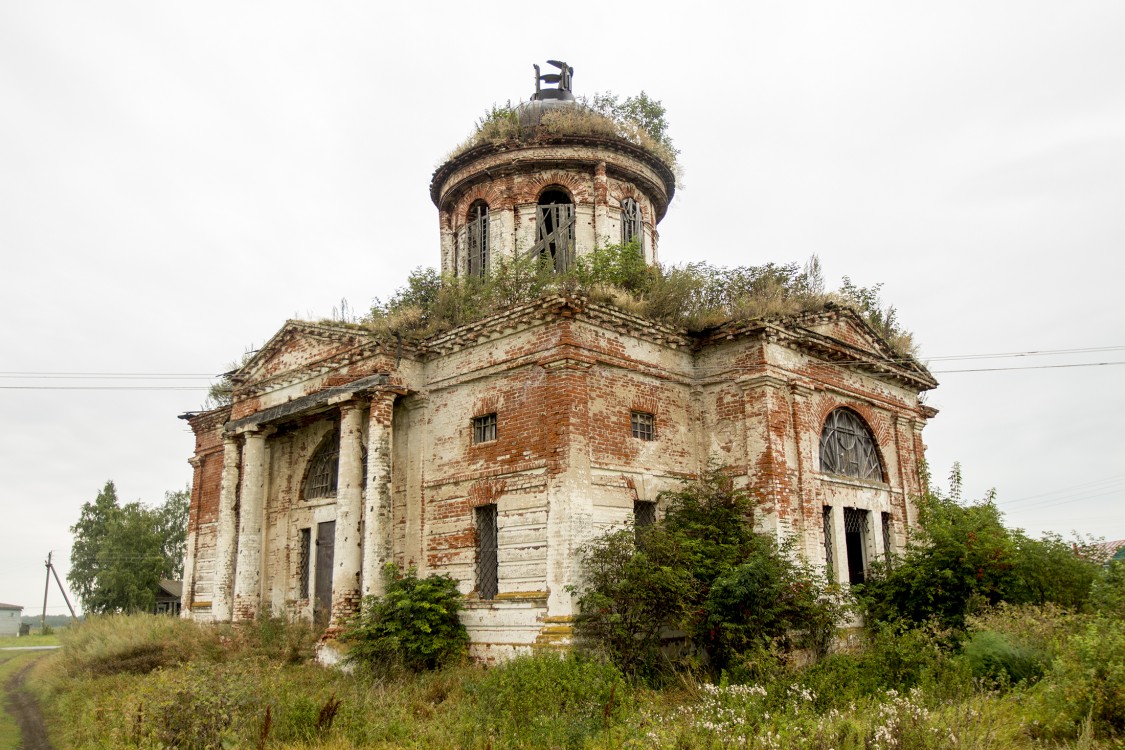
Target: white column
348	552
251	520
377	518
188	588
839	544
222	596
601	207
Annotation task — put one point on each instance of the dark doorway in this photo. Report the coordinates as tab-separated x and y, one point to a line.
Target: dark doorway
325	547
555	229
855	536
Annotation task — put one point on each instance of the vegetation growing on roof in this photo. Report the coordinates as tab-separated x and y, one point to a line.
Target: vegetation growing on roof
638	119
695	297
222	390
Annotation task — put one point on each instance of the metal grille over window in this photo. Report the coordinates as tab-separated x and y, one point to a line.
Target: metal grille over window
856	534
554	221
642	425
324	468
478	239
848	448
484	428
488	560
631	223
304	551
644	513
829	560
887	537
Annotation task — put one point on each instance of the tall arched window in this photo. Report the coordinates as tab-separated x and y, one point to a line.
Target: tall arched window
632	225
324	468
554	221
847	447
478	239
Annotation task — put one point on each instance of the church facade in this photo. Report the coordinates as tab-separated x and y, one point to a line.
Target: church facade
494	451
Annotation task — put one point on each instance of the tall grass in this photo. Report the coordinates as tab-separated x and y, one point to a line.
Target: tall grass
242	687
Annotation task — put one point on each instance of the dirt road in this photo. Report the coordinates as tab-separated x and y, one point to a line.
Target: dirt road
23	707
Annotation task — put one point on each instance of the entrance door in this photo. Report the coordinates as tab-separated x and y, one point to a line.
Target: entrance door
325	546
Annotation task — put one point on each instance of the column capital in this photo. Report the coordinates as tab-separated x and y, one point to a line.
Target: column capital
353	404
256	431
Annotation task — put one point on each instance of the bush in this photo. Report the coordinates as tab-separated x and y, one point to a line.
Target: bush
1040	629
1051	570
704	571
963	560
196	706
631	595
414	625
768	598
1107	594
548	700
993	657
1086	683
900	658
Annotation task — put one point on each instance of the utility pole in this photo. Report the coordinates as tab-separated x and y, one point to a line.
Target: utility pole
62	591
46	588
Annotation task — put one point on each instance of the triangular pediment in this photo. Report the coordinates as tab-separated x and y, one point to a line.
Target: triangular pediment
300	345
840	334
843	324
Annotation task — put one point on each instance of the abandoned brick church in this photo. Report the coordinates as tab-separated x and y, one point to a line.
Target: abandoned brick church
493	451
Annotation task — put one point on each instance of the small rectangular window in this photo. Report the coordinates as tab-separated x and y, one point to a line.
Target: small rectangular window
643	425
304	548
829	557
488	559
887	528
484	428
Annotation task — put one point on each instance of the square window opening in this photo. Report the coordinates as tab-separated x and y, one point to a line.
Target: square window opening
642	425
484	428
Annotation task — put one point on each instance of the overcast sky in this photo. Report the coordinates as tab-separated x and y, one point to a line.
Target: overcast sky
178	179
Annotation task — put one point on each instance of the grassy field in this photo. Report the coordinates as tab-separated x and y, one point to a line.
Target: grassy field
145	682
35	639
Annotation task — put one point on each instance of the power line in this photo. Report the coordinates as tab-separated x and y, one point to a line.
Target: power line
1029	367
42	374
1091	484
104	387
77	375
1030	353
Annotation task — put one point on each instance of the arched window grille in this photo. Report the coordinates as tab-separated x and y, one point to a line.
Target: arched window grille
324	468
478	239
847	447
632	225
554	221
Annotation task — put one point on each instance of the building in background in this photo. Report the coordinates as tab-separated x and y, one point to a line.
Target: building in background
10	619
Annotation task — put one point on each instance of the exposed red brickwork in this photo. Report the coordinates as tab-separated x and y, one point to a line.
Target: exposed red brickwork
563	380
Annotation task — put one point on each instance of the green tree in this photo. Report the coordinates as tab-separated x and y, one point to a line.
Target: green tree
171	525
121	552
